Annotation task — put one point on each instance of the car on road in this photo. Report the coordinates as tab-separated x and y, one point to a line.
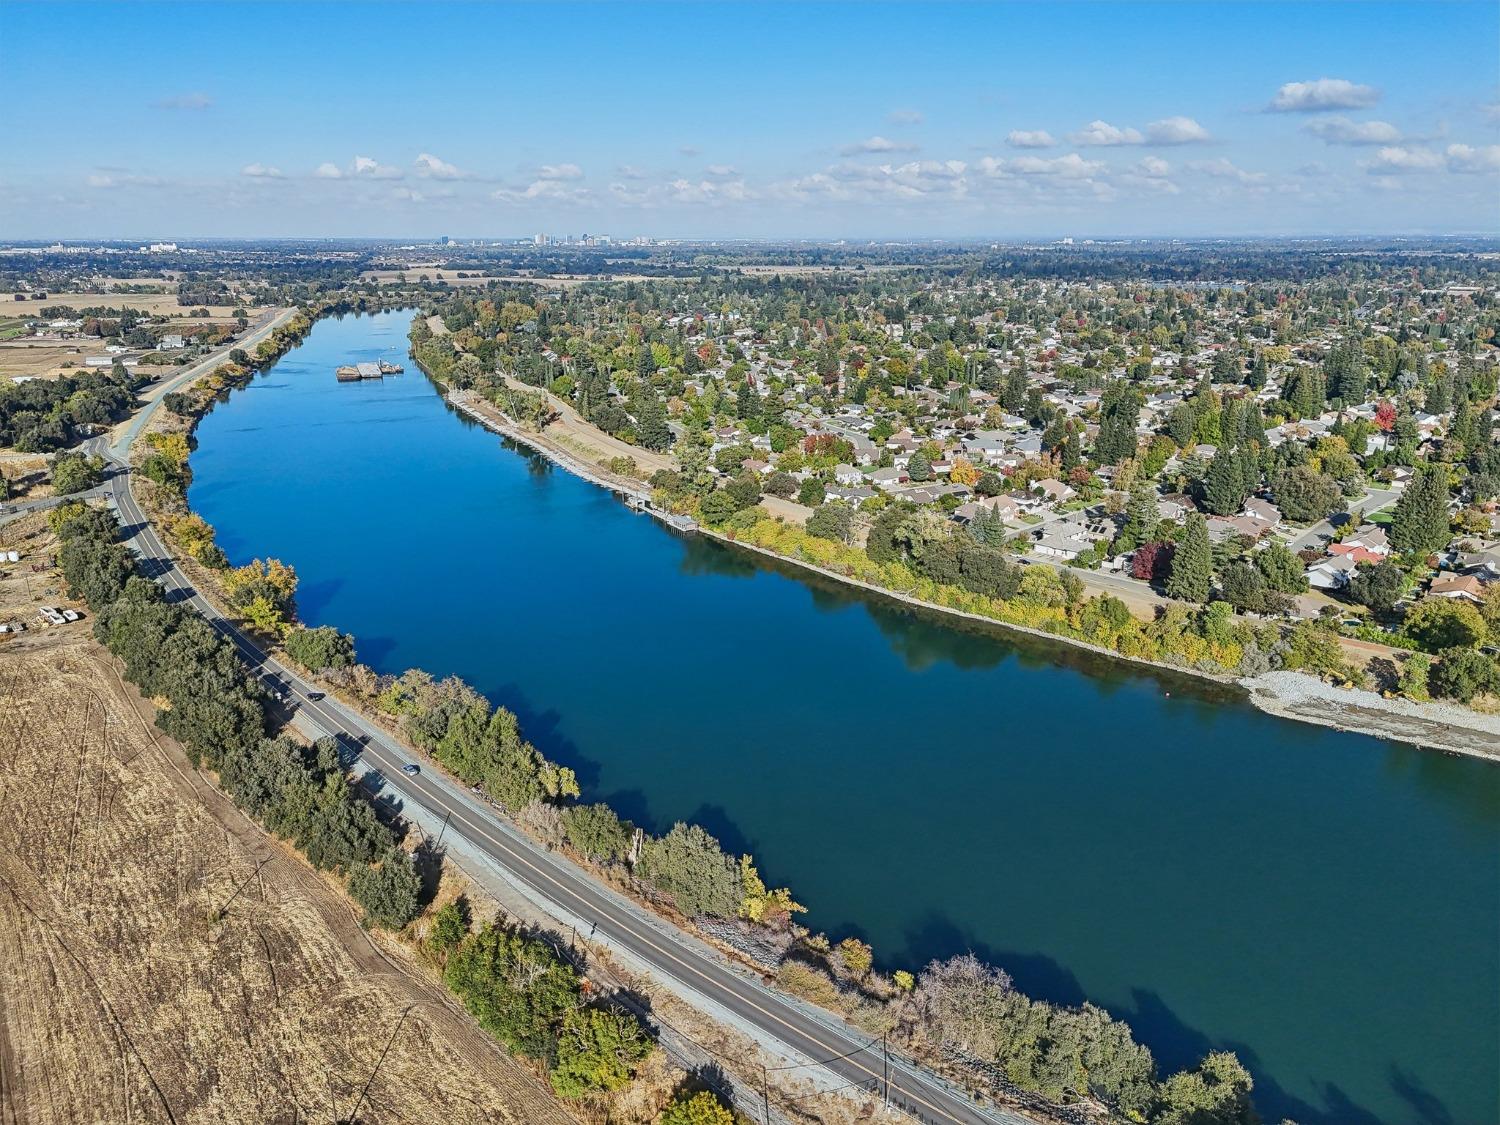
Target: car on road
411	769
315	695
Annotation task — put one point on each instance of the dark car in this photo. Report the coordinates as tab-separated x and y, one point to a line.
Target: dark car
315	695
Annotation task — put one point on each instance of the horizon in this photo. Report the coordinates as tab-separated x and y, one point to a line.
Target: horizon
1015	121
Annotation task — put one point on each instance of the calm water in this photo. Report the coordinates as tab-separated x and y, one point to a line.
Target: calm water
1325	904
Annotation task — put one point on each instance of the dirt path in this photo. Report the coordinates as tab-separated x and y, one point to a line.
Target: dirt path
125	1001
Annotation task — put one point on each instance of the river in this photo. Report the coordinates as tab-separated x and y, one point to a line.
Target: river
1325	904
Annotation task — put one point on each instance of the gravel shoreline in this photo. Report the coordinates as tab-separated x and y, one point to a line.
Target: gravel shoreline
1437	726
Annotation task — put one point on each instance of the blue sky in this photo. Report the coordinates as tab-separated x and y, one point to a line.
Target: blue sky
698	120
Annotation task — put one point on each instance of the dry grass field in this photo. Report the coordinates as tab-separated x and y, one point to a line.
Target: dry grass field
158	304
125	997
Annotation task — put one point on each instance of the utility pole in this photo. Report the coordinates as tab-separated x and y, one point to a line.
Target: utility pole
765	1092
885	1056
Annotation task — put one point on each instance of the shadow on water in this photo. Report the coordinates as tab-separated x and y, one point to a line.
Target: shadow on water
313	598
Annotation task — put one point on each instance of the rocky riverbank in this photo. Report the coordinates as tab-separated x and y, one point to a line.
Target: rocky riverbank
1437	726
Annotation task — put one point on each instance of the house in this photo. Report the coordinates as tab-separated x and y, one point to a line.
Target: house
853	496
1483	564
1371	538
1263	510
170	343
1221	528
1065	540
1055	490
1332	573
888	478
849	475
1466	587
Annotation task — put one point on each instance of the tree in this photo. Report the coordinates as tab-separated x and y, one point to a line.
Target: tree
1141	516
389	892
1444	623
1462	673
320	649
919	468
688	864
1419	524
1305	495
857	956
598	1049
1224	489
811	493
1119	413
651	420
73	472
1192	572
1415	677
1378	585
1149	561
597	832
515	986
450	926
831	521
1282	570
781	484
702	1108
1216	1092
1244	587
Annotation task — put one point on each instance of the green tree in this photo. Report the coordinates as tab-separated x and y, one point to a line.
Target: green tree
1282	570
1306	496
597	831
831	521
919	468
1216	1092
450	926
598	1049
1191	575
811	493
1224	489
1415	677
701	1108
1119	414
1444	623
320	648
73	472
688	864
1378	585
389	891
1462	673
1142	516
1420	522
515	986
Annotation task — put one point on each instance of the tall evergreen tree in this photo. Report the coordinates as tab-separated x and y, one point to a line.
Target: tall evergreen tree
1141	516
1420	522
1119	412
1192	573
1224	488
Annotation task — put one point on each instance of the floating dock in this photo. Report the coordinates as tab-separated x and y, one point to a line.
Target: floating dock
351	373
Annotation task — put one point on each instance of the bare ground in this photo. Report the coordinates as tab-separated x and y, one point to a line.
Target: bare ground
123	1000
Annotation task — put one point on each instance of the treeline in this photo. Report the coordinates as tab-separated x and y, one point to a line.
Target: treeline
970	1011
209	703
42	415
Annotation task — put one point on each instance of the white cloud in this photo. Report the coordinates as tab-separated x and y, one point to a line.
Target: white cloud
109	178
410	195
544	190
1342	131
1176	131
195	100
720	171
630	172
875	144
1321	94
260	171
1029	138
432	167
1470	159
905	117
373	169
1404	158
1069	167
1103	133
559	172
328	170
1153	166
1223	168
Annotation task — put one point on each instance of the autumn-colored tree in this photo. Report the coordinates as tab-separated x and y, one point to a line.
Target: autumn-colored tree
1149	561
963	472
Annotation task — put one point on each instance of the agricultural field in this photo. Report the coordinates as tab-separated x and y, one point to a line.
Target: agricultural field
163	959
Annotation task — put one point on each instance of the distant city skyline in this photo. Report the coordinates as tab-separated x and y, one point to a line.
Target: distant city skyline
894	121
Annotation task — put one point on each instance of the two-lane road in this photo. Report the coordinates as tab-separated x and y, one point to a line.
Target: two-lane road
616	921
